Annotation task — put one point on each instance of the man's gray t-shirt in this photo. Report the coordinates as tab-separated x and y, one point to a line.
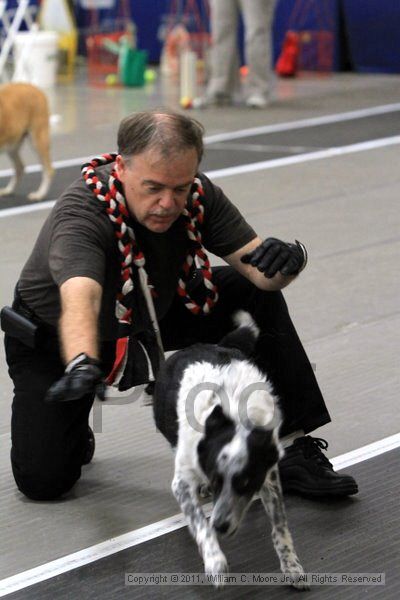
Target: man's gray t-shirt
78	240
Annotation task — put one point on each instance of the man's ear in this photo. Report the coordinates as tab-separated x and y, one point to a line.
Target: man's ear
120	167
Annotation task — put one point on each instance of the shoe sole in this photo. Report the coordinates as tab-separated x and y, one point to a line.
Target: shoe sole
90	450
260	106
337	491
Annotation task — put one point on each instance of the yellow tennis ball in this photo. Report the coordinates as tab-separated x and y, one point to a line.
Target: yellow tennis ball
150	75
111	79
186	102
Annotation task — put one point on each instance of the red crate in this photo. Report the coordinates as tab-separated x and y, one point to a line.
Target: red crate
101	61
315	51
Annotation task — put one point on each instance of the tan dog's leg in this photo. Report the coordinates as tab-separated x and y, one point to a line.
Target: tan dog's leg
18	165
41	142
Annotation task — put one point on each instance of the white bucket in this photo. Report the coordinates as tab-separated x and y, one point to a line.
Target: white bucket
36	57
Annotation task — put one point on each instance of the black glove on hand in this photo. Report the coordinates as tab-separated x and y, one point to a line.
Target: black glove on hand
274	255
82	376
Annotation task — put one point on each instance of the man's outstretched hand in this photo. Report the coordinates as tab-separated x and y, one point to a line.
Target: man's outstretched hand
273	256
82	376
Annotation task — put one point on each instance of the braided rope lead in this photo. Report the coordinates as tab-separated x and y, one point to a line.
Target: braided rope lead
113	196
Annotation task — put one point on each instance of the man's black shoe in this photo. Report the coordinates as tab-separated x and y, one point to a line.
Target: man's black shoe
91	445
306	470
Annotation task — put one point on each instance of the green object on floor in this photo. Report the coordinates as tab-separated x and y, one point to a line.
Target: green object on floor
132	66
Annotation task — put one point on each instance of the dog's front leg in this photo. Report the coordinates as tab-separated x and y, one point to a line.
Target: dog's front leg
206	538
272	499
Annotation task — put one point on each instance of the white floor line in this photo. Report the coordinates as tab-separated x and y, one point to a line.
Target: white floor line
26	208
249	168
240	133
57	164
302	158
163	527
366	452
303	123
244	147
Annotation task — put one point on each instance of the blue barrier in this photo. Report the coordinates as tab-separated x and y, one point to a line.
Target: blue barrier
373	31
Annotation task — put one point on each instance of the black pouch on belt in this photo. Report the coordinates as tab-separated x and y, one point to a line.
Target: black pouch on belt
17	326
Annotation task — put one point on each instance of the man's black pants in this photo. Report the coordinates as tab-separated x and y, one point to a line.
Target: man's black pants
49	440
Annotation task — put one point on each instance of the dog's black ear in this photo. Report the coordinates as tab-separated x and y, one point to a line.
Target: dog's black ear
261	437
201	447
217	420
262	443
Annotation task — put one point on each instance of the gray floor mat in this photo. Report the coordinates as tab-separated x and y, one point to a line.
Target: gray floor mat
353	535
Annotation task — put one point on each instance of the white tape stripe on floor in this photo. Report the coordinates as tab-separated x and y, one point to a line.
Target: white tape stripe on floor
240	133
26	208
302	158
303	123
150	532
366	452
57	164
249	168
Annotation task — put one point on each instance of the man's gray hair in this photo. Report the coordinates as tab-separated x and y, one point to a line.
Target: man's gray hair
164	130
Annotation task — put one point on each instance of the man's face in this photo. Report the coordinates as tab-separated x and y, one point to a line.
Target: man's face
156	187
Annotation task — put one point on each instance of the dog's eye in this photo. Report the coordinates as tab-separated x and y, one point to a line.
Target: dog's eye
241	484
217	482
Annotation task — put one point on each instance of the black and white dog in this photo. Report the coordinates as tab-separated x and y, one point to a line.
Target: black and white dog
218	412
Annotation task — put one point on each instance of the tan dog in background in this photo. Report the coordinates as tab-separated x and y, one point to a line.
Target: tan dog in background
24	111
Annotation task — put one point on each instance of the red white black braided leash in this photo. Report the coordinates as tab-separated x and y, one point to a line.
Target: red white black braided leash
113	195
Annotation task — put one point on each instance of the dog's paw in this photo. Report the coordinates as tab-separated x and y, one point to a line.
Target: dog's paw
297	578
204	490
35	196
216	566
